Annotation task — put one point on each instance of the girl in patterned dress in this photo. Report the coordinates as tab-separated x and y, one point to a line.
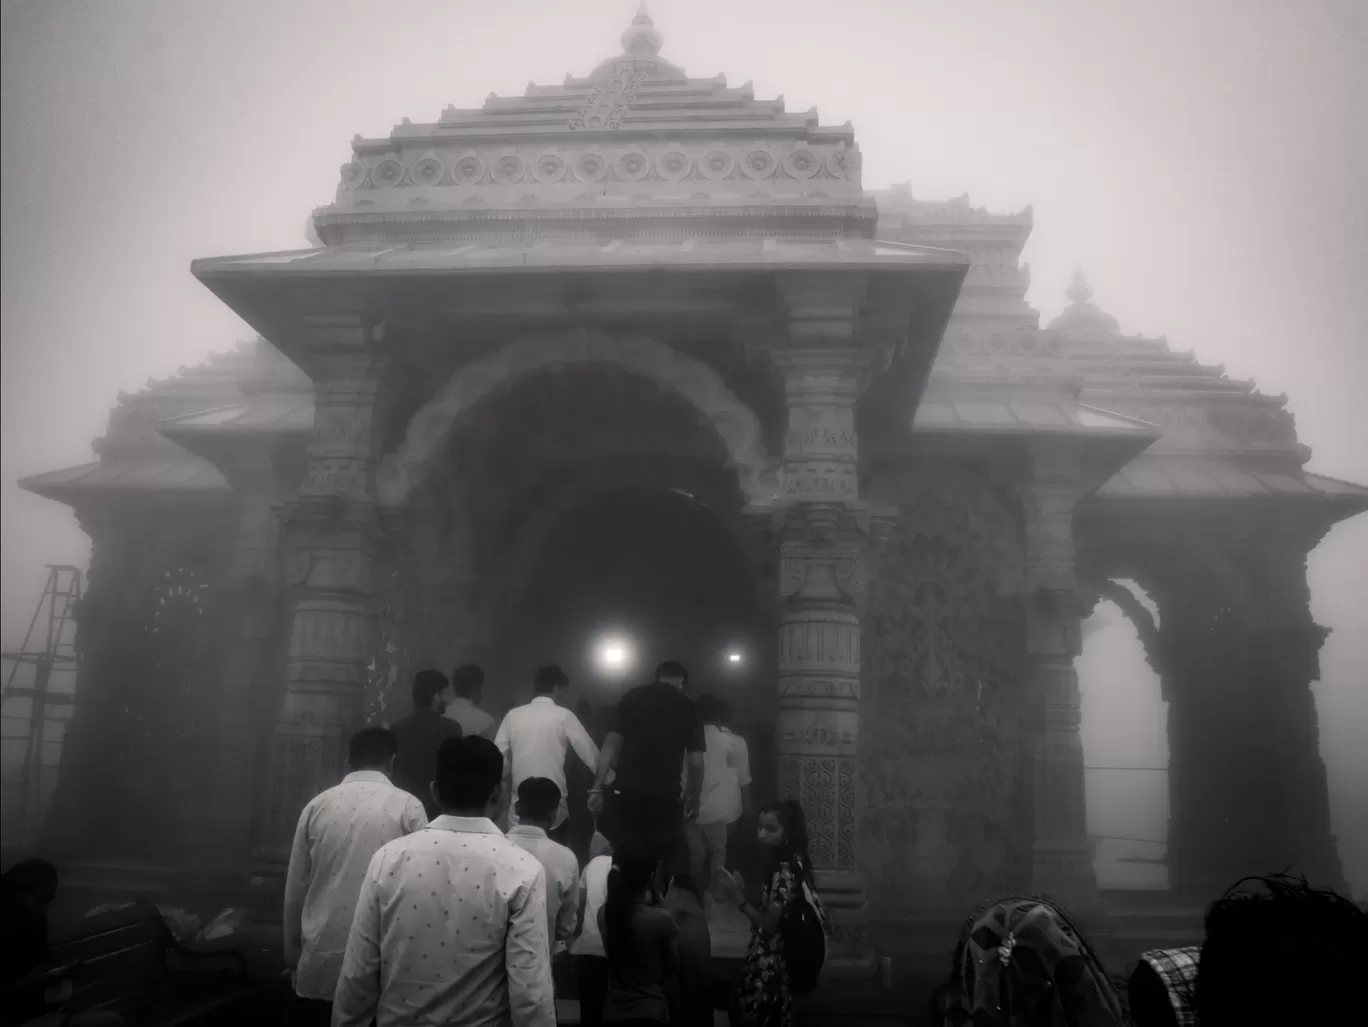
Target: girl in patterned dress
763	995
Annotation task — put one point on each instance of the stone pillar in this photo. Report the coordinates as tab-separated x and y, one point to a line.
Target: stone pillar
821	535
331	530
1247	783
1061	853
1288	662
251	588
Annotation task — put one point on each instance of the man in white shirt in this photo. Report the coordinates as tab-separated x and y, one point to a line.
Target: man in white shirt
534	739
725	794
538	801
338	833
450	926
591	962
468	682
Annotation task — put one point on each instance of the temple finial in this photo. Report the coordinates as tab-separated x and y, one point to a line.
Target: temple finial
1079	290
642	37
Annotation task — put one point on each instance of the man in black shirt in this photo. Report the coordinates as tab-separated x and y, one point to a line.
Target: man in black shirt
420	735
655	739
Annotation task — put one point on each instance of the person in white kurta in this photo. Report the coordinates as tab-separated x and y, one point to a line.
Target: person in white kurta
536	737
338	833
468	684
450	927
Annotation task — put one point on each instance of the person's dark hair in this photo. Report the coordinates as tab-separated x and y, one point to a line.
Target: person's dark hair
709	708
795	845
671	670
548	679
427	685
633	872
538	799
469	770
371	748
1280	951
467	680
31	877
724	712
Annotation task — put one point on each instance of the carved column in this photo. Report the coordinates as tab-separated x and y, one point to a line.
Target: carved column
1240	650
1287	662
1061	853
251	594
821	535
331	531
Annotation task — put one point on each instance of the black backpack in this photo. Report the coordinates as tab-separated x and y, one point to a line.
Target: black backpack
804	941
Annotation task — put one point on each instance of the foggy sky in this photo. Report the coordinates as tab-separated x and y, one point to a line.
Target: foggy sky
1204	161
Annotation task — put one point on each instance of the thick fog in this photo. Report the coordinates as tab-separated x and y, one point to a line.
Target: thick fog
1204	163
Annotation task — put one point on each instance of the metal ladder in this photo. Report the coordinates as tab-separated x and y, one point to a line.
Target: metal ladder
38	699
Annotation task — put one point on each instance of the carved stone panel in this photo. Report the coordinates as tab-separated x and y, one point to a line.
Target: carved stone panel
941	738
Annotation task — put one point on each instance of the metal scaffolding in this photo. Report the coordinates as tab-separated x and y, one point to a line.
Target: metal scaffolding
37	702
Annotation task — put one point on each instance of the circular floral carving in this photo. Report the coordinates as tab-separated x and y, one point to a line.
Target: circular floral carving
716	165
759	164
843	163
468	170
802	163
550	167
352	174
633	166
591	167
509	169
674	165
387	173
428	171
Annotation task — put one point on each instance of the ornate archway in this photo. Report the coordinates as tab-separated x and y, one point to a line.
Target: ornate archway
735	423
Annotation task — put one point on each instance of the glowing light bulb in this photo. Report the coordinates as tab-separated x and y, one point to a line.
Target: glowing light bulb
613	654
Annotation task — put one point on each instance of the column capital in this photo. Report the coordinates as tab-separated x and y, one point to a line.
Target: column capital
822	308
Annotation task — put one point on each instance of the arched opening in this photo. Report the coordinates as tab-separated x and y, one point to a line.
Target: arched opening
655	571
1125	746
601	503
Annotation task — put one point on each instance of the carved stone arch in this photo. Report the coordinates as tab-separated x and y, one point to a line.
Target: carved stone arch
735	423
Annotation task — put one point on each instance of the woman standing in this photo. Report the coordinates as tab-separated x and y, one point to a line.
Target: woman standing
640	941
764	997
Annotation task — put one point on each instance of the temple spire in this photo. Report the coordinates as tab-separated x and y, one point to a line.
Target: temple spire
1079	291
1083	317
642	36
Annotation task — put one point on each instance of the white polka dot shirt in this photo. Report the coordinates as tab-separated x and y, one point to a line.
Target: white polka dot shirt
450	931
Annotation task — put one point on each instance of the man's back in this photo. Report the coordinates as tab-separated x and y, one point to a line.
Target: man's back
450	929
534	739
658	723
338	833
473	720
419	736
562	880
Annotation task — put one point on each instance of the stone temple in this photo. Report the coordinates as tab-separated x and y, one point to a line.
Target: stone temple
644	292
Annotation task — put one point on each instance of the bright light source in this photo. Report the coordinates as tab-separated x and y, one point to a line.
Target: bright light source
613	654
734	657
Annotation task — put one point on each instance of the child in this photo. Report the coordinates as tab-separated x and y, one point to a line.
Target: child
640	940
763	995
587	946
684	900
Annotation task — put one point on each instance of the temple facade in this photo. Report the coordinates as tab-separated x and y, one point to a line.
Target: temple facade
642	281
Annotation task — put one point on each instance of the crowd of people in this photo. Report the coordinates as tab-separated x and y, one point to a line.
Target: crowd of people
439	884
